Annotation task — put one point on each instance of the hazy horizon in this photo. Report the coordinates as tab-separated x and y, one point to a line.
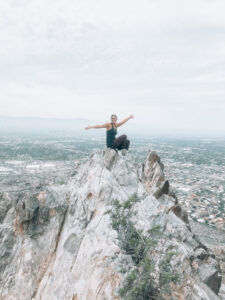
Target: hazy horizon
76	127
161	61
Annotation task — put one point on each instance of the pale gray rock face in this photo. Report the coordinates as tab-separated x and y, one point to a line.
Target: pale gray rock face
58	243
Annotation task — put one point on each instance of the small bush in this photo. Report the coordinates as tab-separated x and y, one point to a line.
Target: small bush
138	283
167	274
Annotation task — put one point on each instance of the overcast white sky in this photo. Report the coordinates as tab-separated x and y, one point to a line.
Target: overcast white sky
163	61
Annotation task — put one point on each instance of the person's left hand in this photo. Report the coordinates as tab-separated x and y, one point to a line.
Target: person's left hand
131	117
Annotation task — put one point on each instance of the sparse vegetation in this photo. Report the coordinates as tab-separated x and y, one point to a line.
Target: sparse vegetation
167	274
62	182
139	282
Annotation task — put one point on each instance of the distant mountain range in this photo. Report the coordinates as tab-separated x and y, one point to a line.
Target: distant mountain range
46	126
37	124
76	126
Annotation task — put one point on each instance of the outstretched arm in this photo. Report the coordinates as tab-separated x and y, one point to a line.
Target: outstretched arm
124	121
97	126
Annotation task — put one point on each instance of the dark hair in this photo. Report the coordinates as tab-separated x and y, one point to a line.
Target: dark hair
113	115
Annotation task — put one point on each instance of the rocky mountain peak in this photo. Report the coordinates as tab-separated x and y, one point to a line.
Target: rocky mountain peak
64	242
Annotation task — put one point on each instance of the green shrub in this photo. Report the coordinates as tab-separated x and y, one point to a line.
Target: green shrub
167	274
139	284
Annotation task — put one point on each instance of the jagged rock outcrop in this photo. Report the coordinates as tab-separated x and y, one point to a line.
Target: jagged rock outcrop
57	243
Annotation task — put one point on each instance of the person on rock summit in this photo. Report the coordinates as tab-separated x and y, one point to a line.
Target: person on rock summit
119	143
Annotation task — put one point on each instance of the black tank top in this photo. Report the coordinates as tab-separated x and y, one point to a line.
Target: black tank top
110	136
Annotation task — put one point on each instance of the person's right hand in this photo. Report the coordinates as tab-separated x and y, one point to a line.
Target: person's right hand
88	127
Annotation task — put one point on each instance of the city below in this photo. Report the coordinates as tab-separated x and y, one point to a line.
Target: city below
194	168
